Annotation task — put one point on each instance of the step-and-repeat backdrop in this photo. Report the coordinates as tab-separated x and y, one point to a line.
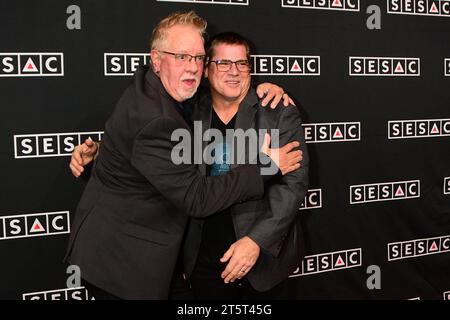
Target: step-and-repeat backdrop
372	78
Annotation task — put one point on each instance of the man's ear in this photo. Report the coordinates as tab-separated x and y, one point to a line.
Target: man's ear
205	71
156	60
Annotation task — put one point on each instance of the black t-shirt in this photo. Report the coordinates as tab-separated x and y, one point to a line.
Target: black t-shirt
218	230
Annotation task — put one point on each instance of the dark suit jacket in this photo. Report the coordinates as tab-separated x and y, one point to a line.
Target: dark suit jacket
273	222
132	216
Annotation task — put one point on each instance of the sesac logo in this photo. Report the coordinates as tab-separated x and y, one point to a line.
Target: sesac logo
79	293
384	66
32	64
34	225
280	65
420	7
124	64
229	2
50	144
447	67
418	247
313	200
447	185
330	261
425	128
332	132
384	191
342	5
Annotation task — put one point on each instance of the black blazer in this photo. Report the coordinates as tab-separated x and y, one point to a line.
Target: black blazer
273	222
130	221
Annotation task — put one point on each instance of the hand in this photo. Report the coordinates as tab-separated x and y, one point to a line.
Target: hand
243	254
274	93
286	159
82	155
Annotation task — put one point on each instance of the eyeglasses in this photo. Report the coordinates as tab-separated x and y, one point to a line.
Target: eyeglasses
225	65
185	57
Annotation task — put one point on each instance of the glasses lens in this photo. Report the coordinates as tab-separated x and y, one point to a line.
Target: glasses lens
200	58
242	65
223	65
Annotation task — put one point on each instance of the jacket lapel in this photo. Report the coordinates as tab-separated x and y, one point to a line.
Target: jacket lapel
169	105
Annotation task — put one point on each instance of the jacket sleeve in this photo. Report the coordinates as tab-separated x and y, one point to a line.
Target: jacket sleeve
182	184
283	197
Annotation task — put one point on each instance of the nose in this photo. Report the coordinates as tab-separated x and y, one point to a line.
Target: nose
233	69
193	66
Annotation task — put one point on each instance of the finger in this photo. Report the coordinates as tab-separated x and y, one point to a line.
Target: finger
292	161
290	169
289	146
292	102
230	267
243	274
286	100
244	270
260	91
240	271
77	155
276	100
295	160
74	171
232	276
89	147
270	95
294	154
89	142
84	148
77	167
227	255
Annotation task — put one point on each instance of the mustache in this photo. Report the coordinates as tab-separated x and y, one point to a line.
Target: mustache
189	78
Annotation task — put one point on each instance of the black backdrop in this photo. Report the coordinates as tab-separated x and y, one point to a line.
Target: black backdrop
66	93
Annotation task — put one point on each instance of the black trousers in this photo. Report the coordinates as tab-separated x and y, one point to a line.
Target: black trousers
205	287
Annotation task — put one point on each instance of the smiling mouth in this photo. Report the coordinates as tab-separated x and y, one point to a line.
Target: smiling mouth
232	82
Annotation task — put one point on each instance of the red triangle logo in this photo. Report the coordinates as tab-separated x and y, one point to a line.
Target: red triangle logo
435	129
37	226
399	192
433	8
337	133
296	67
399	68
30	66
433	246
339	262
337	3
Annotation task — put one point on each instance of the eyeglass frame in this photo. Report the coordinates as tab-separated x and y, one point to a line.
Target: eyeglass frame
178	56
217	62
